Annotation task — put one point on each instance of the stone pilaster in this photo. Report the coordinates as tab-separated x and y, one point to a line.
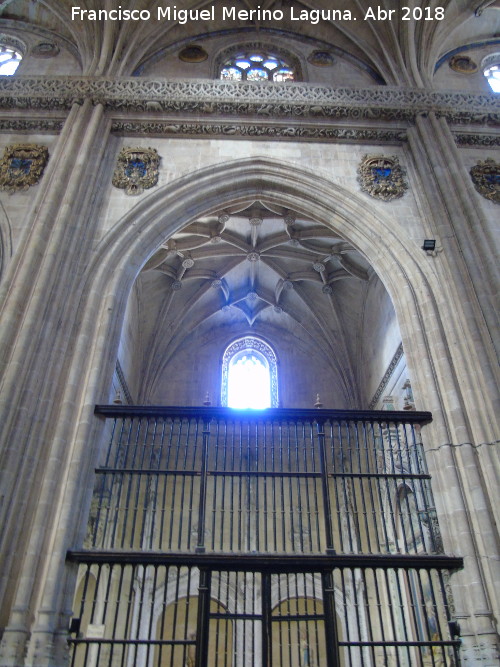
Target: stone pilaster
40	307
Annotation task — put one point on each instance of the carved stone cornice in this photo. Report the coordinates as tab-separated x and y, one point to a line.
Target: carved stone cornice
473	139
222	98
387	376
265	130
31	125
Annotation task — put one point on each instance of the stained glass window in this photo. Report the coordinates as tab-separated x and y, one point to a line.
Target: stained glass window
492	73
249	383
257	66
9	60
249	375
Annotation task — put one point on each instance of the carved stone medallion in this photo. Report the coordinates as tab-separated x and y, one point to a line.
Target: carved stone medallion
486	178
193	54
136	170
321	59
382	177
463	64
22	165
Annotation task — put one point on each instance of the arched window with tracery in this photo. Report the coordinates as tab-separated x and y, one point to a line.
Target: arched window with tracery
257	62
10	59
249	375
491	70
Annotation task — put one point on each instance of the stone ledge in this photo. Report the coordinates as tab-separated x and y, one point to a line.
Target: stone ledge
247	98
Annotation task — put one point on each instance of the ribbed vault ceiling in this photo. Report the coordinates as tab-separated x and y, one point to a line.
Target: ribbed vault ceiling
256	267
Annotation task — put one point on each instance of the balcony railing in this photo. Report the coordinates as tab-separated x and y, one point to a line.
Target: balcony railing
322	521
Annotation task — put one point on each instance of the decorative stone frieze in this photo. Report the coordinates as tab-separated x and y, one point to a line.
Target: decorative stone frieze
469	139
268	130
486	178
387	375
382	177
136	170
247	98
22	165
31	125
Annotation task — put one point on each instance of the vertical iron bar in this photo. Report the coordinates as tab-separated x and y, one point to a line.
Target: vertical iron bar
215	484
370	483
267	659
362	489
298	481
175	614
265	491
191	488
202	628
225	514
343	470
383	518
200	547
415	484
289	484
307	491
331	631
325	487
391	611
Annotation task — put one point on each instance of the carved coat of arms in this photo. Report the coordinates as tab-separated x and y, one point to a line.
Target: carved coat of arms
486	178
22	165
136	170
382	177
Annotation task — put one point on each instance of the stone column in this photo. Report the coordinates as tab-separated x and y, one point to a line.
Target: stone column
39	305
457	378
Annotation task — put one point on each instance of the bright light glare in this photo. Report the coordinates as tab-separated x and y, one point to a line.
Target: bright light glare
493	76
249	384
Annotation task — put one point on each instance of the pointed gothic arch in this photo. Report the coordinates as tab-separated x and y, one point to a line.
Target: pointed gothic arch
423	312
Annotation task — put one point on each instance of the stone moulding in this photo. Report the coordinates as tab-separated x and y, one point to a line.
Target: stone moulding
479	139
21	166
387	376
246	98
31	125
261	130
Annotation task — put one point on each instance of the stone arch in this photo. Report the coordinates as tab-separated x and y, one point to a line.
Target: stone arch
427	313
395	258
5	240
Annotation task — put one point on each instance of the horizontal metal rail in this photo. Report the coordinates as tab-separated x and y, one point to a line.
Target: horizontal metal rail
269	414
270	562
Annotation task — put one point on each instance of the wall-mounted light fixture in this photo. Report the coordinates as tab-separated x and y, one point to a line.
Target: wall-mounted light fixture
429	245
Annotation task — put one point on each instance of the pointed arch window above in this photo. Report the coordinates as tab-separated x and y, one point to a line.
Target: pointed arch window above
492	74
249	375
9	60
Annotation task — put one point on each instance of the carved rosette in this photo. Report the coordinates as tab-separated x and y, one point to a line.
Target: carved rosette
486	178
22	165
136	170
382	177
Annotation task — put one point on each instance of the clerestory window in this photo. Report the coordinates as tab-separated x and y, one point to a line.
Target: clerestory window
257	65
491	70
249	375
492	74
9	60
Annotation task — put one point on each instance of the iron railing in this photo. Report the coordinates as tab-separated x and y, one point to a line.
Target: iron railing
277	537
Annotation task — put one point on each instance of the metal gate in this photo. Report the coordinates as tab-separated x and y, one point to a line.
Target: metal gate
220	538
